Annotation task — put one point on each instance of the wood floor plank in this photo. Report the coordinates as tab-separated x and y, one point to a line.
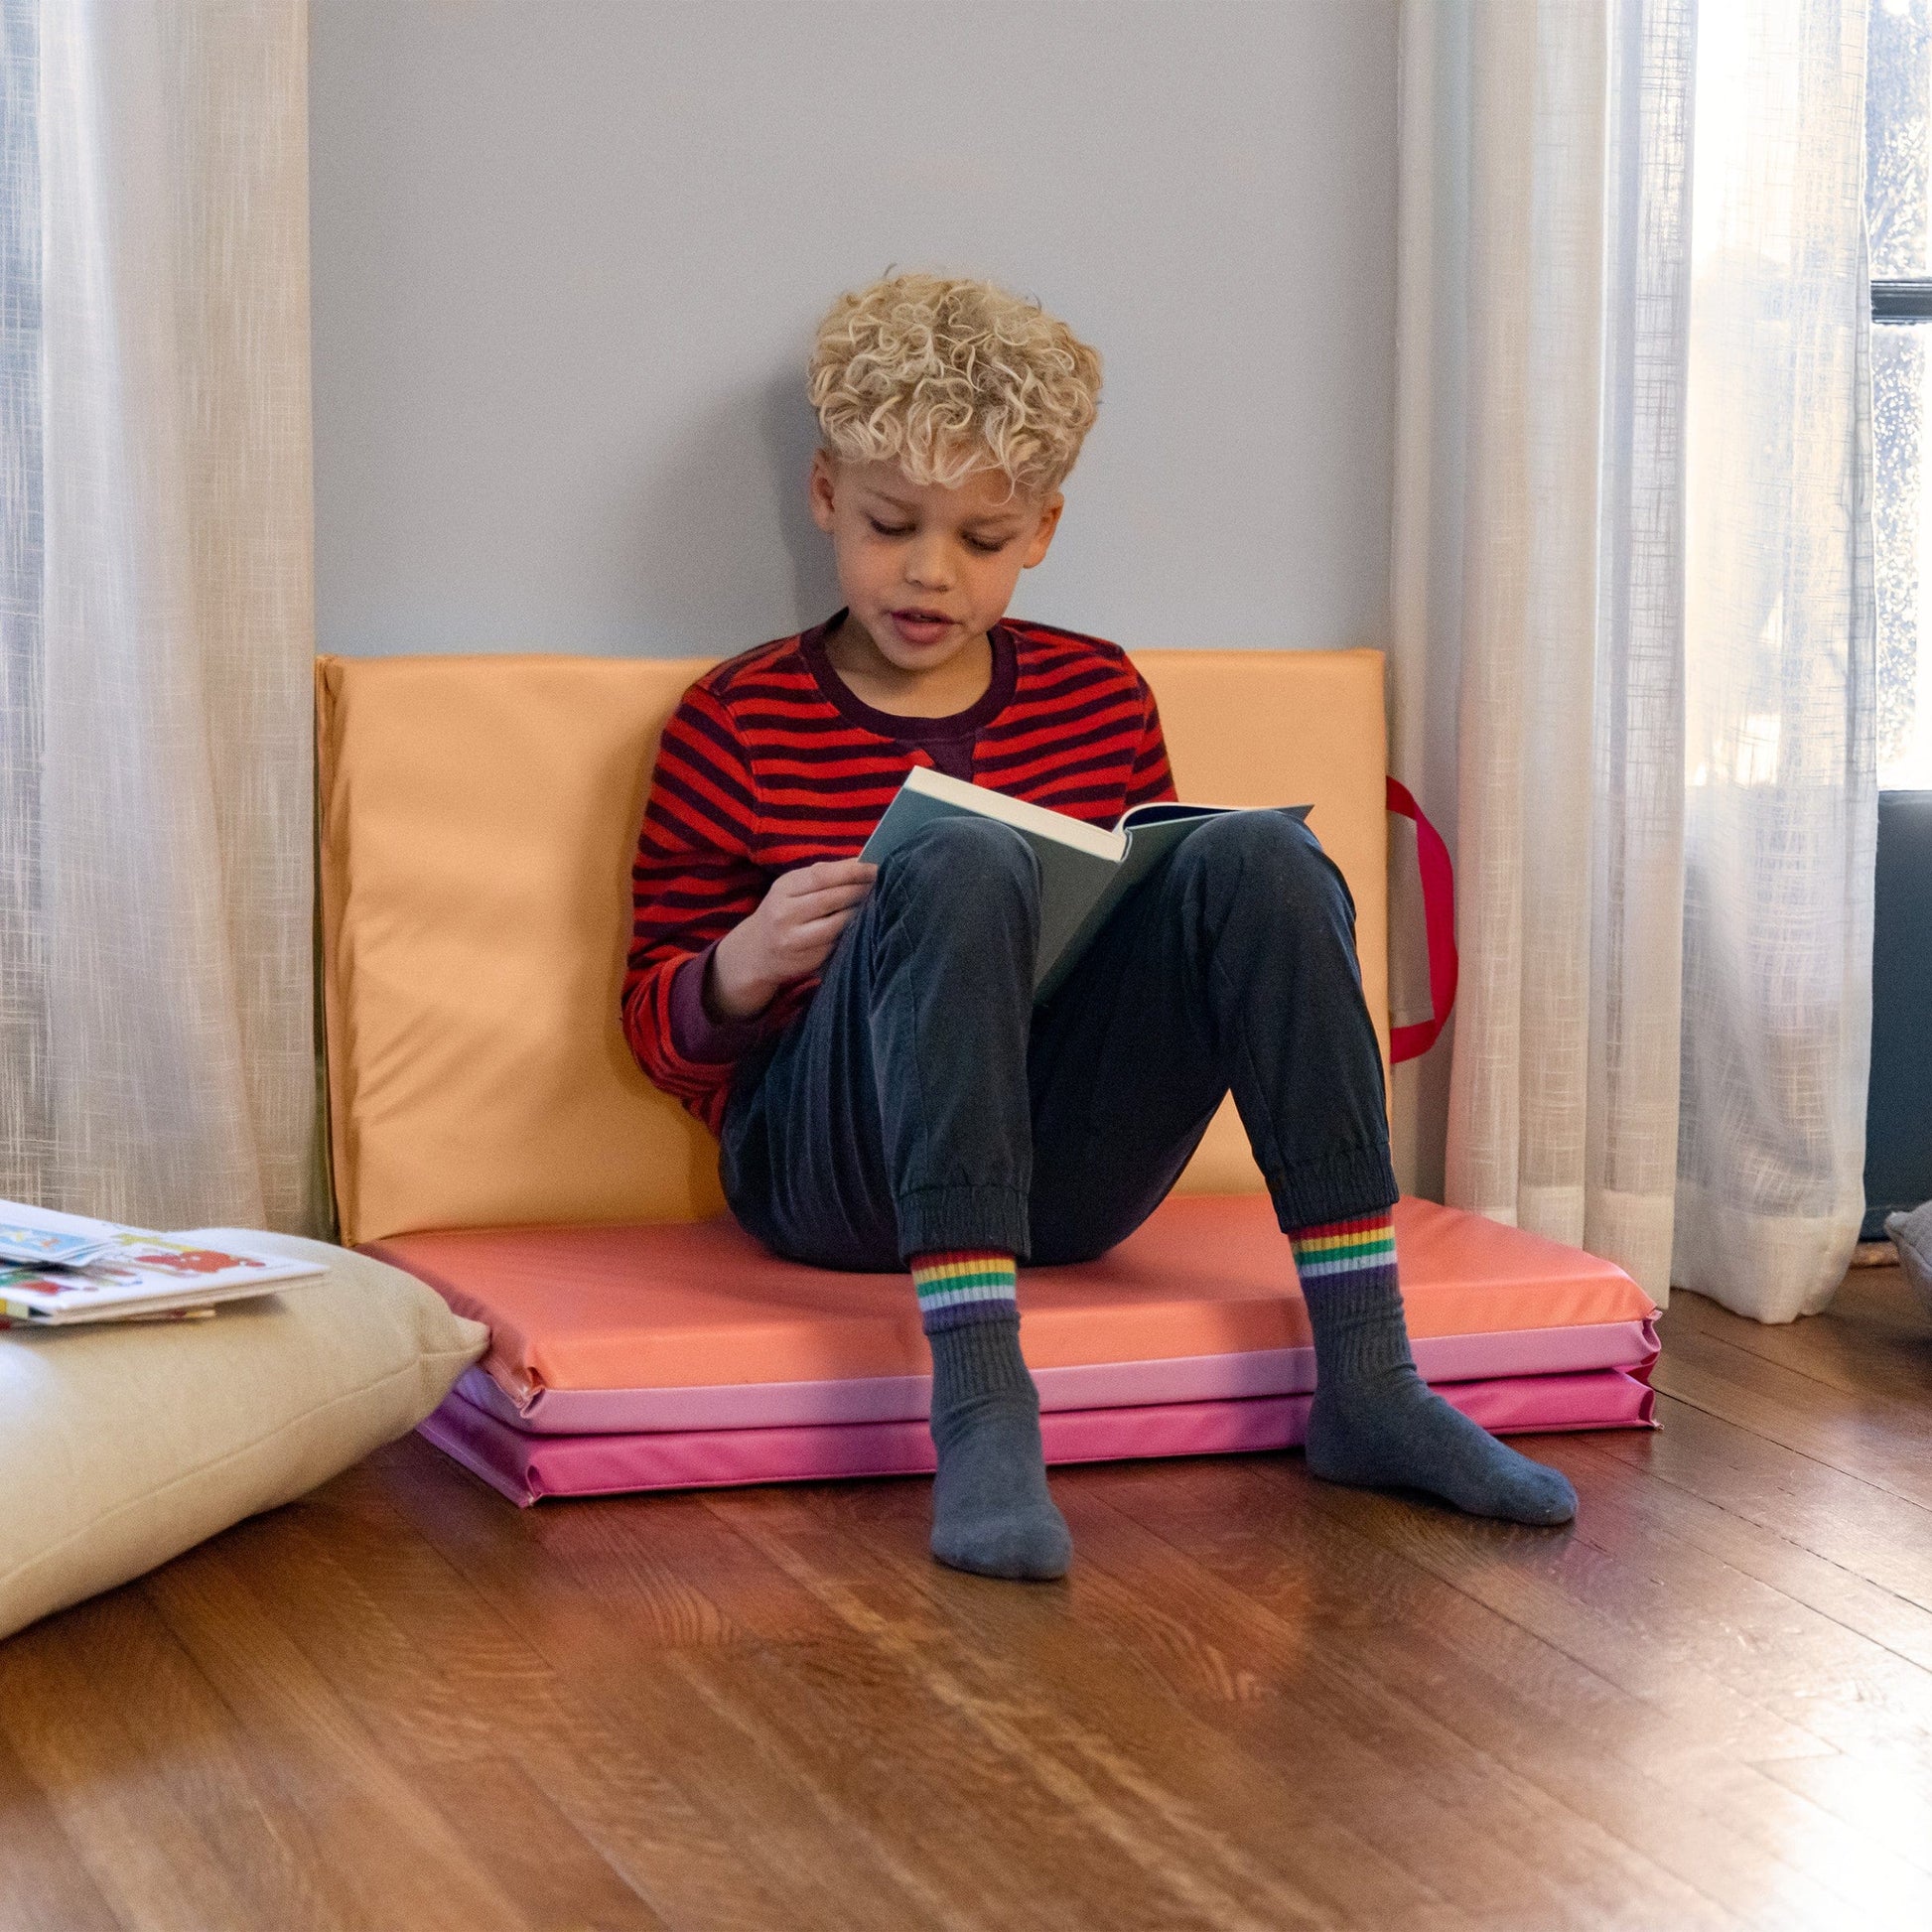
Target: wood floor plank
1884	1441
406	1865
64	1709
44	1882
1003	1774
1875	1338
1867	1531
369	1612
1506	1853
531	1848
366	1610
1668	1511
1102	1830
613	1776
766	1847
1614	1618
1656	1780
1894	1806
681	1577
279	1856
1808	1666
1230	1838
1611	1762
848	1723
752	1691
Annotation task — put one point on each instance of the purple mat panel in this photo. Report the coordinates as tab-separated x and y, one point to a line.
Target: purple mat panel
525	1466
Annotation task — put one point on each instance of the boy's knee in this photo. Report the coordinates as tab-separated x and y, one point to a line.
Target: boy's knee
1274	854
975	860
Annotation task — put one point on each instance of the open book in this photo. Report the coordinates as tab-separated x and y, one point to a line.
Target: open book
60	1269
1085	870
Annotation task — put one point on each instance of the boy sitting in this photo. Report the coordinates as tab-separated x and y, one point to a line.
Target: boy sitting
864	1040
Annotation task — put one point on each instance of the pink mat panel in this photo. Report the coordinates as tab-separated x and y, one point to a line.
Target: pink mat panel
526	1467
1629	1345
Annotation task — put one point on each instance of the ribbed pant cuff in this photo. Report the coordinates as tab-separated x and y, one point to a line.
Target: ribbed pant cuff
1358	1180
931	1218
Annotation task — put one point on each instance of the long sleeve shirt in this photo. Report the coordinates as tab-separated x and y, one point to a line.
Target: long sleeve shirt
770	760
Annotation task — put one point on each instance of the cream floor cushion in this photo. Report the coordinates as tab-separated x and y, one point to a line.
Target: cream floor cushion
125	1445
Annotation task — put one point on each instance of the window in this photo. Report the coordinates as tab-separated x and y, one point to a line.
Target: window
1898	211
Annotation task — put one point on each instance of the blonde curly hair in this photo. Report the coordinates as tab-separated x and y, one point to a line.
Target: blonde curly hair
947	378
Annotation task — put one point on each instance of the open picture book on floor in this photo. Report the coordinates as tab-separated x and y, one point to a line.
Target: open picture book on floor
56	1270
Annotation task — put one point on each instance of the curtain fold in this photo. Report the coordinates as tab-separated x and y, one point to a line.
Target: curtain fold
1546	590
1782	797
155	934
1610	472
23	1002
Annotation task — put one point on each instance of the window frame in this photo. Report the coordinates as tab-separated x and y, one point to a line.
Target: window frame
1901	299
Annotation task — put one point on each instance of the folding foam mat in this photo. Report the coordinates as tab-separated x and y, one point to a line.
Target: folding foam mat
684	1354
478	820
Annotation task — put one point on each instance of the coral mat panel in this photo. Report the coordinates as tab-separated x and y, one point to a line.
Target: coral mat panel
700	1305
526	1467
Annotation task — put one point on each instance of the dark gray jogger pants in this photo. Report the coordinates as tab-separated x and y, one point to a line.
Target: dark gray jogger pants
921	1102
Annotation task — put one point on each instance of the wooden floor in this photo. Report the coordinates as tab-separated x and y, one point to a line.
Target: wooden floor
1259	1703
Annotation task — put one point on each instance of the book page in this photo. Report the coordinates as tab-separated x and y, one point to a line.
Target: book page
1077	860
137	1270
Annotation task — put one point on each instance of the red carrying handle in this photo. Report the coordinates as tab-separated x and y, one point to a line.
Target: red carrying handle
1439	928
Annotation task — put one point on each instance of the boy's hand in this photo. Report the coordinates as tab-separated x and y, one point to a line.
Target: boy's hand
791	935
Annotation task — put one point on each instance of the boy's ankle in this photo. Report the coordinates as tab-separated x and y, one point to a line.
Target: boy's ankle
991	1512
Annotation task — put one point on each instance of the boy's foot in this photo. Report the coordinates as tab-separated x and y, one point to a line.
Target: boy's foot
991	1513
1390	1431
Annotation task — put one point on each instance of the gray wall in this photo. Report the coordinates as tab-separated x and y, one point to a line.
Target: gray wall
567	255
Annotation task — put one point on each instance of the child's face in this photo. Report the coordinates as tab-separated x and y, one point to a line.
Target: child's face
924	568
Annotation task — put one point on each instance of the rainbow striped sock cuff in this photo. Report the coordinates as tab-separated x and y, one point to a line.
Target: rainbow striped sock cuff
961	1284
1353	1297
1358	1246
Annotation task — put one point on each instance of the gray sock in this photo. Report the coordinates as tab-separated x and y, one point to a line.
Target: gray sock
991	1512
1377	1425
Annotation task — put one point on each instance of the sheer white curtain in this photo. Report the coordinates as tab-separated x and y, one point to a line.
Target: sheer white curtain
156	611
1629	547
1781	694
